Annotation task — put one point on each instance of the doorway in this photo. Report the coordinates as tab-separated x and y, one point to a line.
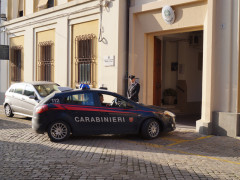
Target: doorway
177	75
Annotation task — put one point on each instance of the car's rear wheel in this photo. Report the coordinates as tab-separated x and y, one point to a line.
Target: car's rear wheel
150	129
58	131
8	111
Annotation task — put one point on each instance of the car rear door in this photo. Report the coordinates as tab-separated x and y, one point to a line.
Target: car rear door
81	107
9	97
28	103
17	98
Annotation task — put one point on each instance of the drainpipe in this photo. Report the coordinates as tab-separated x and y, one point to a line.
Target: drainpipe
238	97
127	46
0	17
0	13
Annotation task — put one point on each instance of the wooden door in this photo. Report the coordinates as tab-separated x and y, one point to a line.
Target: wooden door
157	73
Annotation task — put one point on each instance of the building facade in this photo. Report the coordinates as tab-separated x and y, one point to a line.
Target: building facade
65	41
196	54
188	46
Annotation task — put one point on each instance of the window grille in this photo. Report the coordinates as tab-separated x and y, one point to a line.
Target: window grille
16	63
85	59
45	64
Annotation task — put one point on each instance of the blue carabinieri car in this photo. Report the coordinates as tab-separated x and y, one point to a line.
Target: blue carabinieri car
94	112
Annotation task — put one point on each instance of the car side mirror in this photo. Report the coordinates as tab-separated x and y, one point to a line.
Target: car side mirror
124	106
32	97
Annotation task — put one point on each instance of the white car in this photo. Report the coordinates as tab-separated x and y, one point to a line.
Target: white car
21	98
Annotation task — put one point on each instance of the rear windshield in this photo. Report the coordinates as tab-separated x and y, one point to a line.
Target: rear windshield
46	89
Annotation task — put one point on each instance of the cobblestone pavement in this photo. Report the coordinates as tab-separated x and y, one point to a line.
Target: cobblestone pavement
182	154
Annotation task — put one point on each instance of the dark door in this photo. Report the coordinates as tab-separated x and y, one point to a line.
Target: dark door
157	72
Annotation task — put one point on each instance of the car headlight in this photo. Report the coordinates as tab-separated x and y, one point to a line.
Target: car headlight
168	113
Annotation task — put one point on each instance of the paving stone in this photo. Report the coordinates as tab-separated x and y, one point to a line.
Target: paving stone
27	155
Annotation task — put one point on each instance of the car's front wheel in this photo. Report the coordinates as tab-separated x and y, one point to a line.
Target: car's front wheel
8	111
150	129
58	131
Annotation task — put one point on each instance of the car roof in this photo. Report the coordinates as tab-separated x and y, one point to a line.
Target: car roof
87	90
36	82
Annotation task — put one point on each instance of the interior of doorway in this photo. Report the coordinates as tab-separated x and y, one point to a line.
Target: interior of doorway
178	66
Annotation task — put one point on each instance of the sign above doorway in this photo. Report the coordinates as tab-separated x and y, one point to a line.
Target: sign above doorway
168	14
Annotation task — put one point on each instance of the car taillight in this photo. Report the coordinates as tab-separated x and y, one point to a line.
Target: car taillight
41	109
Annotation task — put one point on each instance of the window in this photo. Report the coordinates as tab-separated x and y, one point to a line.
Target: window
45	62
11	90
16	63
85	59
113	101
29	91
46	89
19	89
80	99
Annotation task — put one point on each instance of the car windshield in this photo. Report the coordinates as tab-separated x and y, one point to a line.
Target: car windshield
46	89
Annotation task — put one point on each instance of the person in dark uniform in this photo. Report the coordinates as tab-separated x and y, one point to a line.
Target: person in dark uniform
133	89
101	99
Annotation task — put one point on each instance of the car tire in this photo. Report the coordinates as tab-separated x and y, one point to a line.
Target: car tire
58	131
150	129
8	111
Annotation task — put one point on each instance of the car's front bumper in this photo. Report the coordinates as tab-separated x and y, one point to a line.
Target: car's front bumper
170	124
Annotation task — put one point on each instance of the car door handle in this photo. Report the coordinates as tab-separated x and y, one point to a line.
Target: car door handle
23	99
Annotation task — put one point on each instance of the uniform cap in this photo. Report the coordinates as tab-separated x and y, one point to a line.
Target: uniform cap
131	76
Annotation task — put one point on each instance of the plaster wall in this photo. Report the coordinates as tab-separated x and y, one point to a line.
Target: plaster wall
226	58
3	63
61	52
170	56
59	2
113	44
187	58
122	51
29	7
140	2
4	7
3	79
29	58
192	70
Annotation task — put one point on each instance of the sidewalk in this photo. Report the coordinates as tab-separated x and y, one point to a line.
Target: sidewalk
182	154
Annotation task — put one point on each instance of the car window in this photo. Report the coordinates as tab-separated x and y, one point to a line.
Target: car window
29	91
12	89
80	99
113	101
46	89
19	88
